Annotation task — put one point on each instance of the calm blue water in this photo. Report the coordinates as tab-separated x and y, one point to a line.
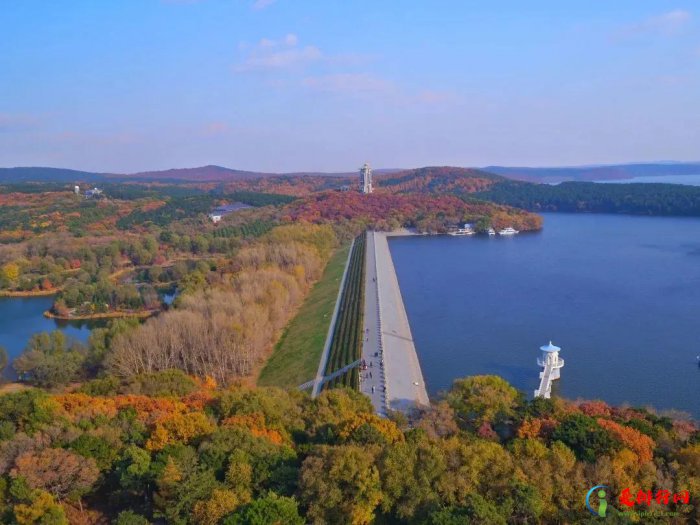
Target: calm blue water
619	294
688	180
21	317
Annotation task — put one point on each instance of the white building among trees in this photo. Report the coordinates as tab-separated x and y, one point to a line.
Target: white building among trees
366	179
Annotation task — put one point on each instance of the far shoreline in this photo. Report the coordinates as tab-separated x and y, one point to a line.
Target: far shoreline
28	293
143	314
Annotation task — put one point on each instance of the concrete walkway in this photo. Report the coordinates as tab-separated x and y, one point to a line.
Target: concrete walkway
372	351
388	346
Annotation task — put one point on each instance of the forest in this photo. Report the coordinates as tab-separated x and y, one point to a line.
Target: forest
163	447
633	198
431	213
160	421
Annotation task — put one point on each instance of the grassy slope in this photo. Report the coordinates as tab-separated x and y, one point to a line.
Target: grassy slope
347	339
296	356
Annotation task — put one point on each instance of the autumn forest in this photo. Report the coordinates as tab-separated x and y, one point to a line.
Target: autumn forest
158	416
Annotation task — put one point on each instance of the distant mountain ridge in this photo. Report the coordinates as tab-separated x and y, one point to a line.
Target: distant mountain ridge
447	174
40	174
209	173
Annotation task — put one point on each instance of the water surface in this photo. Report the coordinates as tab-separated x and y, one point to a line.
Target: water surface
20	317
619	294
688	180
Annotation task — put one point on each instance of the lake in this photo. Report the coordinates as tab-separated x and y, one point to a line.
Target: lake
688	180
20	317
619	294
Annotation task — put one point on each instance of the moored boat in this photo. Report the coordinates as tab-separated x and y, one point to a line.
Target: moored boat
466	230
508	231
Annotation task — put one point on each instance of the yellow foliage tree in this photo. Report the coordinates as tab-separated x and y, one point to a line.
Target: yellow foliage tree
385	427
179	427
210	512
256	424
42	509
11	271
239	475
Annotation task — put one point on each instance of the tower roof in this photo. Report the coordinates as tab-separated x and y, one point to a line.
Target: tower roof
550	348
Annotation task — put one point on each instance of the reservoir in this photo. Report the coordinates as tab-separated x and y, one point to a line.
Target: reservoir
619	294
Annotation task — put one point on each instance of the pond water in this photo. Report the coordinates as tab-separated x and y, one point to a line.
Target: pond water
619	294
20	317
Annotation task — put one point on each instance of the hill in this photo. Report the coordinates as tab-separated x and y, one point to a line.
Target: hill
42	174
201	174
209	173
633	198
437	179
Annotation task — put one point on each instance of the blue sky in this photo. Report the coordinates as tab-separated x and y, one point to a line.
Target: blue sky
289	85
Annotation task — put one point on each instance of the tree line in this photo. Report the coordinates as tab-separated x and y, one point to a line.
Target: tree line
633	198
166	448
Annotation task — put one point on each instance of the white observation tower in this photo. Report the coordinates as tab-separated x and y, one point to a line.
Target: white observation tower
366	179
552	364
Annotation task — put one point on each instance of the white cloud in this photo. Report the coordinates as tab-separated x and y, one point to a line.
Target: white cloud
349	83
257	4
433	96
273	55
13	123
215	128
262	4
284	59
666	24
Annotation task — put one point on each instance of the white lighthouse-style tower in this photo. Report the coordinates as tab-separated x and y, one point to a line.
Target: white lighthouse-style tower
552	365
366	179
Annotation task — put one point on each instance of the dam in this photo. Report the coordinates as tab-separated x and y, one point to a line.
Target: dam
392	376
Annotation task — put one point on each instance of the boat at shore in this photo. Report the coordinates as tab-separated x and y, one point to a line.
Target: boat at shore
508	231
491	231
466	230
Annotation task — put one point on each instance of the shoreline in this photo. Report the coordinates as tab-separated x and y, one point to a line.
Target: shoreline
29	293
106	315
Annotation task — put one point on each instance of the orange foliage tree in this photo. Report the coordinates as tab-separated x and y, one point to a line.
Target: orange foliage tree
637	442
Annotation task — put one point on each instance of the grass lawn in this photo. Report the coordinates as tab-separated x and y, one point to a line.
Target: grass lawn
297	353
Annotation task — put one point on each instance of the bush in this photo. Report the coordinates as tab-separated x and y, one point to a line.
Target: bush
105	386
161	384
583	435
129	517
268	510
50	360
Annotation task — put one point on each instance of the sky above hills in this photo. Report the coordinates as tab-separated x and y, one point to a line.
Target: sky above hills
292	85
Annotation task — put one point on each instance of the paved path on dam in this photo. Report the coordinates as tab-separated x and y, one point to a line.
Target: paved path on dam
388	343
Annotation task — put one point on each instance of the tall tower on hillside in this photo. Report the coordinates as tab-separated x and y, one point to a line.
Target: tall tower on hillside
366	179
